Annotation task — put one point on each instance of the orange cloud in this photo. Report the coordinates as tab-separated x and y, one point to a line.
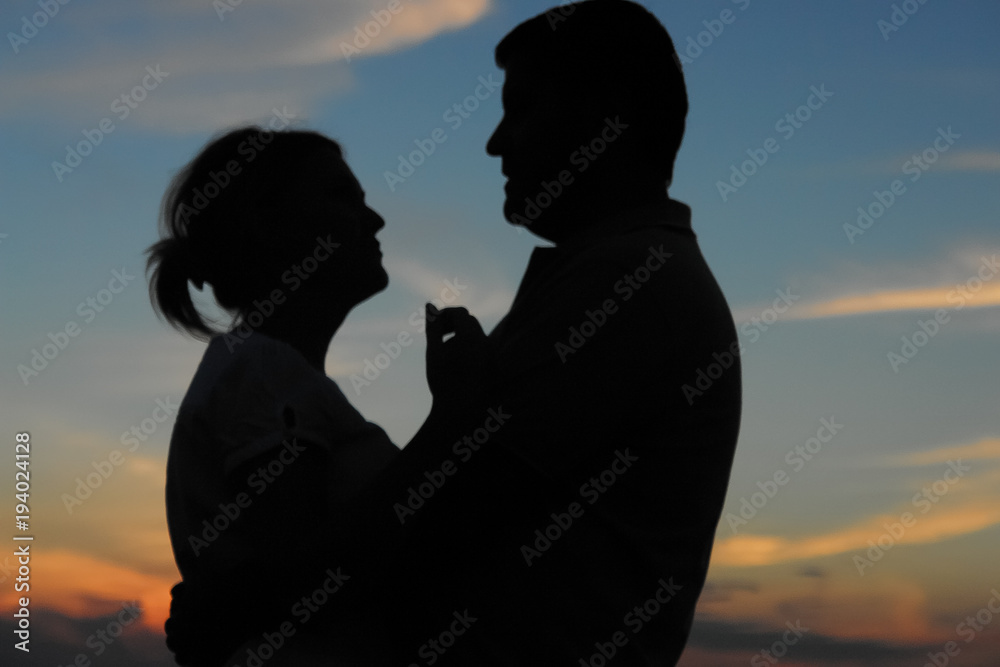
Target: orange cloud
79	585
929	298
985	449
842	605
940	523
410	24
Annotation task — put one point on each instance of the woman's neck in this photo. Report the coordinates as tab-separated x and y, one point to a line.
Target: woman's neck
307	329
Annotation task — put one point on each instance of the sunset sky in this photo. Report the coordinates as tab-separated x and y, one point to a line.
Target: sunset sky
864	503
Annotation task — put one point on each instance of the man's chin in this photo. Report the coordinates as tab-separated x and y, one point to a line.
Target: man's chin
515	207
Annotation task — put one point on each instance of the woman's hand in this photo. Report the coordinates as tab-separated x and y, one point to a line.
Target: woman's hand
202	631
461	362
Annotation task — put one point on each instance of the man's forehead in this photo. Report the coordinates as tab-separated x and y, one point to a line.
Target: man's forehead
523	81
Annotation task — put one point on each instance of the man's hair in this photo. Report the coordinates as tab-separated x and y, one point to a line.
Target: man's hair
616	54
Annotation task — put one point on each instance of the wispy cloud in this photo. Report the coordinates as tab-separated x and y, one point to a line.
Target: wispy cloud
971	161
103	589
986	449
928	298
945	522
224	67
964	278
414	23
731	643
469	291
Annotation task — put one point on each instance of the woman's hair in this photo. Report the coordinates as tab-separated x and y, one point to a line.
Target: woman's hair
220	221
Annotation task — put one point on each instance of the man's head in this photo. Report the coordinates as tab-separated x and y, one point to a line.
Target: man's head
594	107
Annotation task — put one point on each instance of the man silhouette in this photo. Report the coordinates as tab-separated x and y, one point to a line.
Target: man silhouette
580	528
583	526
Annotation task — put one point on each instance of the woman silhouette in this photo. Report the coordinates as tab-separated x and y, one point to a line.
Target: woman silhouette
267	452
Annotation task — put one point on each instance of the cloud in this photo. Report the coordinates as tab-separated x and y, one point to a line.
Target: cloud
929	298
747	639
943	522
57	639
414	23
965	278
221	68
971	161
960	505
840	604
428	284
986	449
80	585
722	591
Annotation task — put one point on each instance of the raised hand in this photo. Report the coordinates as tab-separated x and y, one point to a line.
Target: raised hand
460	358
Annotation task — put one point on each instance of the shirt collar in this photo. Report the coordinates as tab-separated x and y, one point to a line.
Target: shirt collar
666	214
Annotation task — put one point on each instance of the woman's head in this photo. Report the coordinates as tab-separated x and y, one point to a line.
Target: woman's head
258	212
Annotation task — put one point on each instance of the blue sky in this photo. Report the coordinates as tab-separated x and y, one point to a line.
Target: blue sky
893	94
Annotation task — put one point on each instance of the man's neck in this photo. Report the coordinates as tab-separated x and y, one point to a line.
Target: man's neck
589	222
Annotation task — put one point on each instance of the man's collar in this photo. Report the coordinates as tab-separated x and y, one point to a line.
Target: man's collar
669	213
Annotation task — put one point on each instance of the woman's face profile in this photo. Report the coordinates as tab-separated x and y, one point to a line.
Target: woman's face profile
338	234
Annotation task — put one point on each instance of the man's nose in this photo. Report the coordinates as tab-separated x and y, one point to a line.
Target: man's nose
494	145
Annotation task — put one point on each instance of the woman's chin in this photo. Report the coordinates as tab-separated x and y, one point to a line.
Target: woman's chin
376	283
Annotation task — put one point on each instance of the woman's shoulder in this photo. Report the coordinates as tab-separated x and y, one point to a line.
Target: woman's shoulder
245	379
256	360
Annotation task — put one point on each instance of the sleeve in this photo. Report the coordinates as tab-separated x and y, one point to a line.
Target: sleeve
254	407
276	400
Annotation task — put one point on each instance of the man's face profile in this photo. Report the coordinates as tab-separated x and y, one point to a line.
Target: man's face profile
534	140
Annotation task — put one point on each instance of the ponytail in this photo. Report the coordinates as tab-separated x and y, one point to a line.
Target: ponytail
171	265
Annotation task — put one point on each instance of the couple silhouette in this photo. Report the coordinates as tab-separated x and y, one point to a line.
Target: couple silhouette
558	505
